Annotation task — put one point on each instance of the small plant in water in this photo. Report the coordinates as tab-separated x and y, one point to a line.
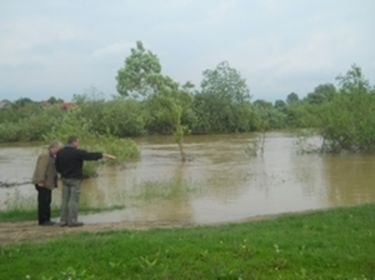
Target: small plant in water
163	190
256	146
308	141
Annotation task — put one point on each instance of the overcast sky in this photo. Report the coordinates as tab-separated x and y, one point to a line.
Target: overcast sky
61	48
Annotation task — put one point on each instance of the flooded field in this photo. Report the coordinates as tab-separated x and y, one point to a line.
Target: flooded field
226	178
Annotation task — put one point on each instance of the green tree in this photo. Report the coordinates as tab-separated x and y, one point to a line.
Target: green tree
348	121
54	100
268	116
141	73
225	82
23	101
223	105
300	113
353	81
164	99
280	105
263	111
322	93
292	98
168	109
121	117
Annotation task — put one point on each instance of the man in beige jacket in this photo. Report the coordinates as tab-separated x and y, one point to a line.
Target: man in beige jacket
45	180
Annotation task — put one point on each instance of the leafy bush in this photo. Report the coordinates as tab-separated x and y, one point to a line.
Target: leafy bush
124	117
348	121
119	117
223	105
73	124
9	132
30	127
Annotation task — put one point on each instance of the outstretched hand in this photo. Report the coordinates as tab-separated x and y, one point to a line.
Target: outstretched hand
109	156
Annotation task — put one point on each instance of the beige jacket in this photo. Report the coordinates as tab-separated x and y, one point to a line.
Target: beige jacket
45	171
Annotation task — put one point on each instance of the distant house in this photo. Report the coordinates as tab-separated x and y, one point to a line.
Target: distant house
66	106
4	104
45	104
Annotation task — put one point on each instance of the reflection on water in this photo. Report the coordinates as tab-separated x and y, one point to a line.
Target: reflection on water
223	180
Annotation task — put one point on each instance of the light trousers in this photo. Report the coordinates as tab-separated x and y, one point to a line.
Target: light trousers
70	201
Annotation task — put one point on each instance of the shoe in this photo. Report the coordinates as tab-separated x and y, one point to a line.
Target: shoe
77	224
48	223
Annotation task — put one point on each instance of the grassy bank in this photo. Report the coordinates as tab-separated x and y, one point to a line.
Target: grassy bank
19	214
334	244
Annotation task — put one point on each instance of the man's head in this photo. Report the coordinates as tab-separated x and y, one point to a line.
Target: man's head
73	141
54	147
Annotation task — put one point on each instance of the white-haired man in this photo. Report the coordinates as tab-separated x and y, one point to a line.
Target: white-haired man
45	180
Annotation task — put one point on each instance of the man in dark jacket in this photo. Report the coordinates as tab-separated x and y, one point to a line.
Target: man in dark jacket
69	163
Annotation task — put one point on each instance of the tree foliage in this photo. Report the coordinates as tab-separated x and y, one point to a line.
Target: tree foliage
166	102
223	104
292	98
225	83
348	121
140	74
151	102
322	93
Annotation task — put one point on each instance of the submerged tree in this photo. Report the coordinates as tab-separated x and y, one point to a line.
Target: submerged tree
225	82
164	99
353	81
141	73
223	105
348	121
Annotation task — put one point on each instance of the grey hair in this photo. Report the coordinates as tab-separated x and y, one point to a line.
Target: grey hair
54	144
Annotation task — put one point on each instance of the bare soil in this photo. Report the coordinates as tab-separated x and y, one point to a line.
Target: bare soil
30	231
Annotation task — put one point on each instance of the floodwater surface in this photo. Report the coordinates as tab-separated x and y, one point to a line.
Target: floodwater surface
226	178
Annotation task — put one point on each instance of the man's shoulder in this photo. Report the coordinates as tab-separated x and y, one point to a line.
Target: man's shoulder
43	155
65	149
42	159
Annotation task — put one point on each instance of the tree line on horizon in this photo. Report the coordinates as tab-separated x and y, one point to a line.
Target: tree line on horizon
150	102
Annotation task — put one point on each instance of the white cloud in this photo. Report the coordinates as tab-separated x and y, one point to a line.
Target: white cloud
278	46
111	50
222	9
321	50
21	39
273	65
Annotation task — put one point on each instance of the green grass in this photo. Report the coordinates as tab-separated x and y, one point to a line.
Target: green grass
334	244
24	214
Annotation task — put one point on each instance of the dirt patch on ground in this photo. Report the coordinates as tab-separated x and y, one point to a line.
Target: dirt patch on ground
31	231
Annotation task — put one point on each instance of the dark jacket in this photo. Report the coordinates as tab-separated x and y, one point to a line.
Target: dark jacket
69	161
45	172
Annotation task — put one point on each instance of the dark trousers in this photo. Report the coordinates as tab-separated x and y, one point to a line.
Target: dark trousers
44	204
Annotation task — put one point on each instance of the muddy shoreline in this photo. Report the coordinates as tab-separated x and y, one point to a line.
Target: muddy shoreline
30	231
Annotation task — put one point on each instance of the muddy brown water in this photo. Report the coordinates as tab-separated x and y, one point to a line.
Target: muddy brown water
226	178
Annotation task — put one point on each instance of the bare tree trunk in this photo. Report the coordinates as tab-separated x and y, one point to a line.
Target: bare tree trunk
181	148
